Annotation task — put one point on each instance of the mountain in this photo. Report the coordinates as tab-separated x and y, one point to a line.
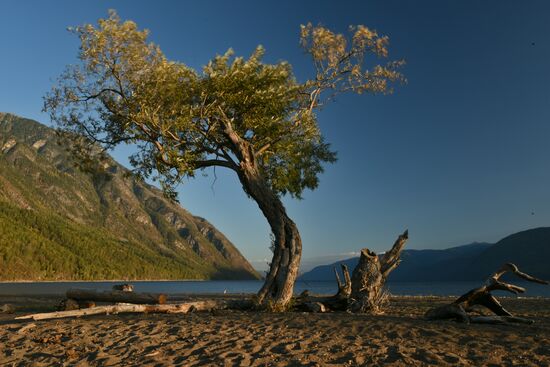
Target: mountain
530	250
416	265
57	222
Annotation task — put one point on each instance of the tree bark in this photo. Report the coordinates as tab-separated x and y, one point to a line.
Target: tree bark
369	277
115	296
367	284
278	288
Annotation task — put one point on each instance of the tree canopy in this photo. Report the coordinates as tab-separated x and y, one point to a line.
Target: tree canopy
125	90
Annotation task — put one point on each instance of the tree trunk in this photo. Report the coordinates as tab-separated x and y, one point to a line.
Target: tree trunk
278	288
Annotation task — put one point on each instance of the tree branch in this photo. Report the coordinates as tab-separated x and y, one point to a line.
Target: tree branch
215	162
390	260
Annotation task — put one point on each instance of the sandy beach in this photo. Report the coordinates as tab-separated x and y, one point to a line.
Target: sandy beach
229	338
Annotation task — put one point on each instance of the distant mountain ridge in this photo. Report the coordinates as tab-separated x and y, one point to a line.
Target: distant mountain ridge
57	222
529	249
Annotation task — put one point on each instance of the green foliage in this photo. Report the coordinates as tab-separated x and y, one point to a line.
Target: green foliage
236	113
341	63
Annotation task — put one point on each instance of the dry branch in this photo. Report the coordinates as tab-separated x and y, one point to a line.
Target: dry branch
482	296
344	289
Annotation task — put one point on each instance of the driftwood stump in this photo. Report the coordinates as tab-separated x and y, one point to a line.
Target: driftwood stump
363	291
482	296
369	277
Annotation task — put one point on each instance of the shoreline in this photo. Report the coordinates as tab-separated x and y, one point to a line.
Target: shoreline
111	281
238	287
400	337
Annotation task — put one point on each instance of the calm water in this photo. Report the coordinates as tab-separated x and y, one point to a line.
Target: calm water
238	287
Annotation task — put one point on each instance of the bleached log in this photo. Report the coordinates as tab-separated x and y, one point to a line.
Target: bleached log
207	305
116	296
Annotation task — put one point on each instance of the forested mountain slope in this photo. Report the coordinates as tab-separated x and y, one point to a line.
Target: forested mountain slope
57	222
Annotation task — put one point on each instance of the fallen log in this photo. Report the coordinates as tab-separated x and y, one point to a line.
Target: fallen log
460	308
116	296
207	305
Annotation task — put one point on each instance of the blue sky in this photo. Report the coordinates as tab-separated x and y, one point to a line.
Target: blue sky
459	154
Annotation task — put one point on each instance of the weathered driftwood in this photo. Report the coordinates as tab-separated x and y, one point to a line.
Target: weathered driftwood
364	290
310	303
206	305
344	289
369	277
339	301
115	296
482	296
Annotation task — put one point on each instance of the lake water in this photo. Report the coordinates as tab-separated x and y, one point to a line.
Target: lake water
240	287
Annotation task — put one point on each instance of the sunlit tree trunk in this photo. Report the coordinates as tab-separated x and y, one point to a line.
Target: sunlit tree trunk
287	247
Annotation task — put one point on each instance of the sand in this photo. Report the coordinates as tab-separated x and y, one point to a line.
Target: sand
230	338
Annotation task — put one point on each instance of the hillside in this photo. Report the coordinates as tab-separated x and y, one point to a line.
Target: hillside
57	222
416	265
530	250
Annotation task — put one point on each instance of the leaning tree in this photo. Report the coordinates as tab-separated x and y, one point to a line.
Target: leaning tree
250	117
